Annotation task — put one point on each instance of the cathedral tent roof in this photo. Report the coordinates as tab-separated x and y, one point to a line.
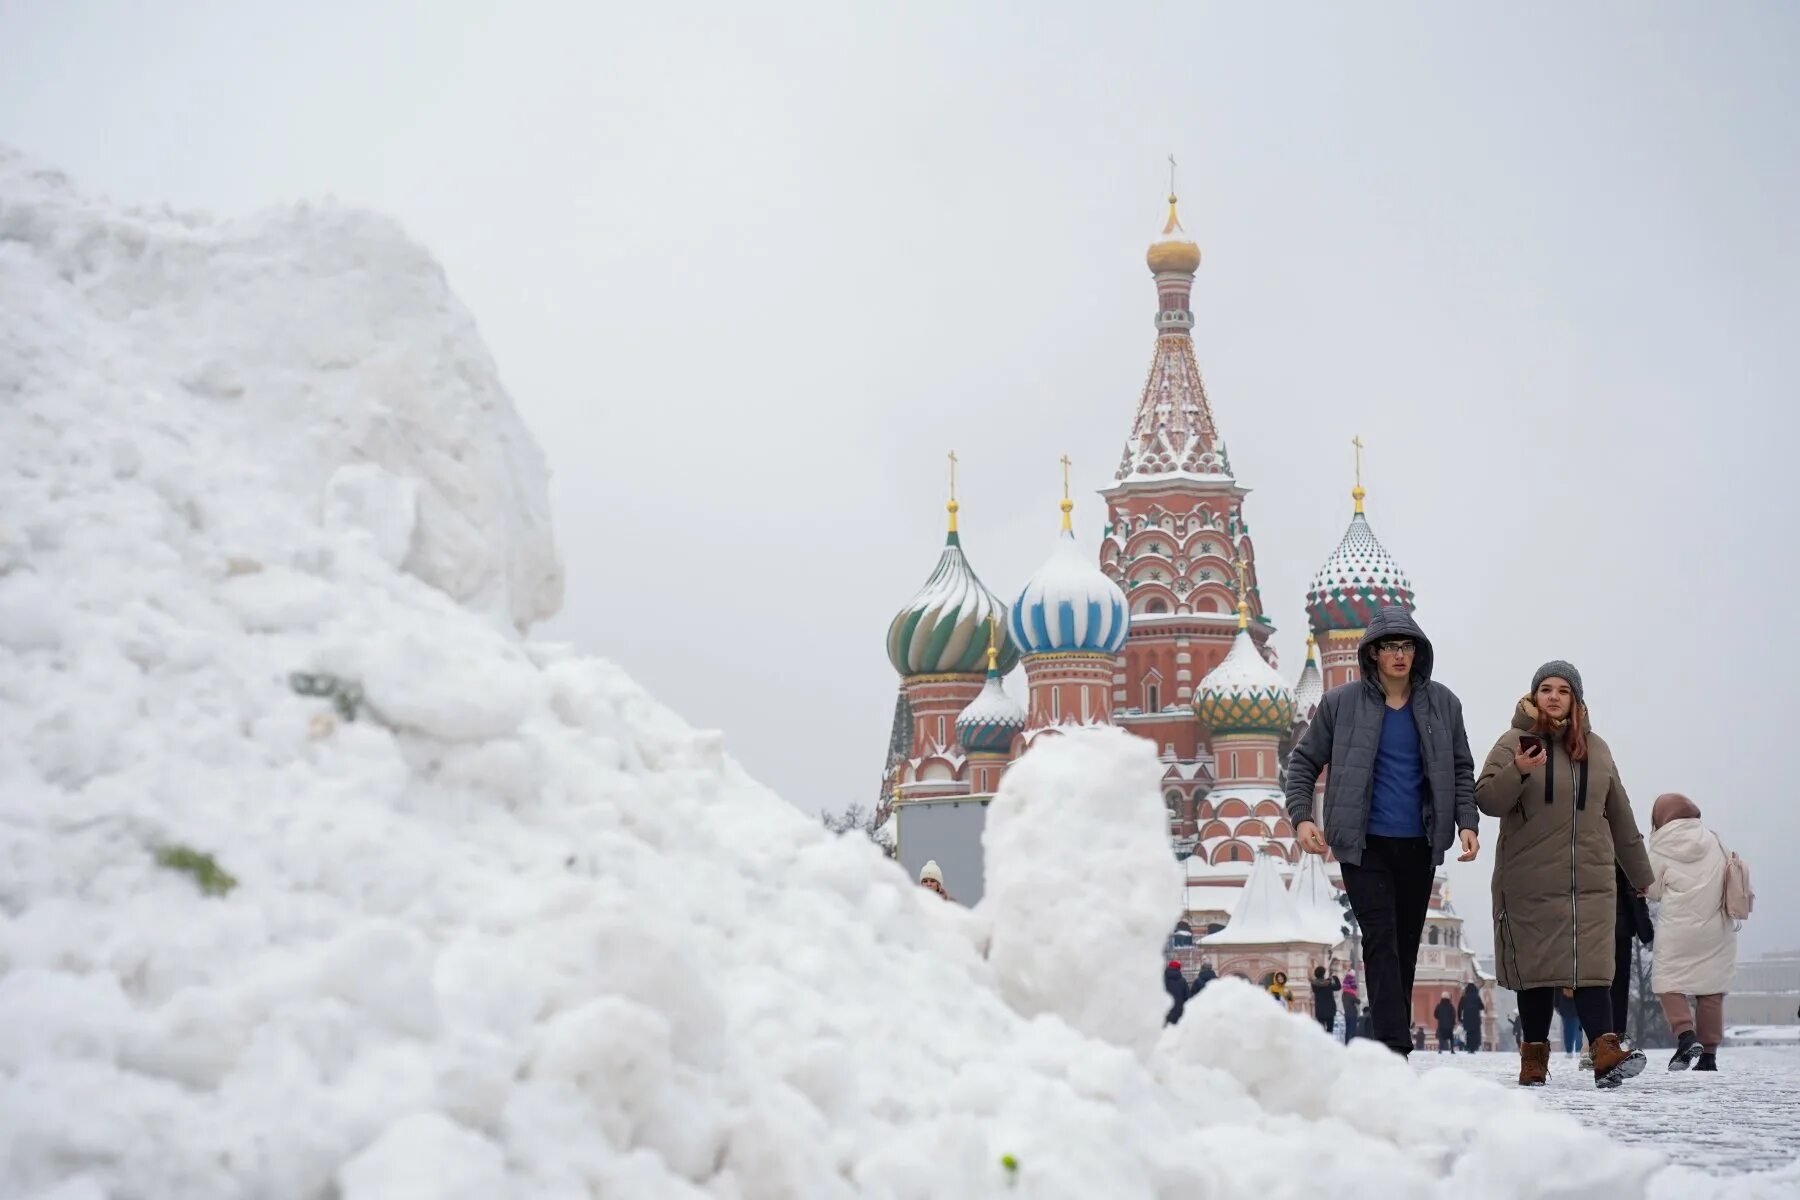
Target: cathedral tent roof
1266	914
1316	899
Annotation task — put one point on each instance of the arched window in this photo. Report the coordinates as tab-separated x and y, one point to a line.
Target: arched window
1173	799
1432	936
1157	605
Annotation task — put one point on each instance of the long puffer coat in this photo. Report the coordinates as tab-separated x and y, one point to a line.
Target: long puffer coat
1696	944
1554	898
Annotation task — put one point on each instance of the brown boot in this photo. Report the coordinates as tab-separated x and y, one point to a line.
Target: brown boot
1613	1064
1534	1064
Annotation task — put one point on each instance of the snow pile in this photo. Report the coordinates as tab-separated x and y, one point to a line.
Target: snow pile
321	881
1057	921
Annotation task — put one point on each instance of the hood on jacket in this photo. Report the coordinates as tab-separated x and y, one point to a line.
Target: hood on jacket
1682	840
1394	621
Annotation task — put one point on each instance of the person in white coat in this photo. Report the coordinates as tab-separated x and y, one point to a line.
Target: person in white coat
1696	943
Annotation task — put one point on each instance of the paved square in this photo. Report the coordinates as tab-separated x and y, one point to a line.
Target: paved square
1744	1118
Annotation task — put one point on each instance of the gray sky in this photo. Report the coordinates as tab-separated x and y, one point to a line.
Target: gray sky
749	276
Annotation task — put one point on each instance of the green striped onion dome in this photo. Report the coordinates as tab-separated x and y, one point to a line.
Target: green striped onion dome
944	628
1244	694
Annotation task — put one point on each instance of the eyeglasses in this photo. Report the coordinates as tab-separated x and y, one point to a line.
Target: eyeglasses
1395	647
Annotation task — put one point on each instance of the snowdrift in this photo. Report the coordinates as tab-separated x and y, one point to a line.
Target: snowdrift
318	878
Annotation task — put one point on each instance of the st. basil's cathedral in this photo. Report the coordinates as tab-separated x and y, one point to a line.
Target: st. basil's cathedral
1166	636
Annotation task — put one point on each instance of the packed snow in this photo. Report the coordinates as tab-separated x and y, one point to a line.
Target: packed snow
321	879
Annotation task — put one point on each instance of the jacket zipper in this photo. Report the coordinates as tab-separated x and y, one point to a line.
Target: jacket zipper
1574	895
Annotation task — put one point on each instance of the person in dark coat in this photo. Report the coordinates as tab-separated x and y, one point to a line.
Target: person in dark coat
1632	920
1445	1012
1204	976
1324	990
1418	1038
1352	1005
1176	985
1399	794
1570	1013
1470	1011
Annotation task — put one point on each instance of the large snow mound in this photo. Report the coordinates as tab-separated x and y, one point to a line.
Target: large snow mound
502	925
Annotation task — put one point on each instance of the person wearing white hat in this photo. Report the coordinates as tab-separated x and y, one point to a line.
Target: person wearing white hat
931	877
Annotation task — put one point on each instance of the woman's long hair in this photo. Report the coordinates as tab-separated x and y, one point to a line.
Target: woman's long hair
1573	731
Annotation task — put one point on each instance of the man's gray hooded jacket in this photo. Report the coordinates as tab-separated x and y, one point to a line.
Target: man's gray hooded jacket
1346	731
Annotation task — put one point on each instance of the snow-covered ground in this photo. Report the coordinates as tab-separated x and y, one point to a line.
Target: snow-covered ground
483	919
1744	1119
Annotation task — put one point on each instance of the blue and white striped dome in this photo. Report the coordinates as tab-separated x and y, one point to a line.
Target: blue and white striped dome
1069	607
988	723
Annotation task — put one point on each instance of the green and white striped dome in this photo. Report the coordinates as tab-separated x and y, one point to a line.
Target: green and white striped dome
944	628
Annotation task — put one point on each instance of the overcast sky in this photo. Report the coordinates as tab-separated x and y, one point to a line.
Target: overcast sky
750	275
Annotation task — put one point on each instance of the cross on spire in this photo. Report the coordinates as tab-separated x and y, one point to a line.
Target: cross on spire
1357	492
1171	178
1067	504
1243	604
952	506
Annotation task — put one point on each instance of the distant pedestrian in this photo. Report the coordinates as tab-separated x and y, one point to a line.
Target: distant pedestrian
1564	822
1696	942
1570	1014
1352	1006
1324	990
1399	794
1518	1039
1470	1011
1176	985
1445	1012
1204	976
1418	1037
1278	988
932	879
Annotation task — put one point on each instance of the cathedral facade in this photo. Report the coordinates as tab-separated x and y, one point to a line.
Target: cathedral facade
1166	636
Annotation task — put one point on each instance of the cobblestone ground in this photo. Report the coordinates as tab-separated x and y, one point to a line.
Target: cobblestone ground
1744	1119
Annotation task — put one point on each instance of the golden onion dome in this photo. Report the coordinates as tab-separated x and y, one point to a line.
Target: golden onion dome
1174	250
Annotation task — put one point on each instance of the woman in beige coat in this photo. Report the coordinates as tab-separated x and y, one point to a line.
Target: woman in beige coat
1696	943
1564	821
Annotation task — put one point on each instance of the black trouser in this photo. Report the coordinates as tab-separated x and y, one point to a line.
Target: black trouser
1537	1005
1327	1018
1389	893
1350	1011
1472	1035
1621	984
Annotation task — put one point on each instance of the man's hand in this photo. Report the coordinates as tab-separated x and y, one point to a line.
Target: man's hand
1311	840
1471	846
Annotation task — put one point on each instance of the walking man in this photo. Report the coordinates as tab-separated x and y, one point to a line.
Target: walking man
1400	792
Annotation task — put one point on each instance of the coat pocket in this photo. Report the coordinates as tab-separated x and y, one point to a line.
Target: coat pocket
1506	946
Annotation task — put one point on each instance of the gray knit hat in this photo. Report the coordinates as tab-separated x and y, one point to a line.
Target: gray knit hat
1558	669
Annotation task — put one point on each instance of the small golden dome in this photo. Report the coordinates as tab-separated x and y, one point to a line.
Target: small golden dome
1174	250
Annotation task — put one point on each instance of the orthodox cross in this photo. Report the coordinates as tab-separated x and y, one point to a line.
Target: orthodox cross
1171	174
953	474
1065	467
1358	443
1243	585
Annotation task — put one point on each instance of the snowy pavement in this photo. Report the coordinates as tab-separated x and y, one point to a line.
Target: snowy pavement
1745	1118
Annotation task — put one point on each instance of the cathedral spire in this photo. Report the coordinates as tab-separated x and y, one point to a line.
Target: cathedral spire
1173	434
